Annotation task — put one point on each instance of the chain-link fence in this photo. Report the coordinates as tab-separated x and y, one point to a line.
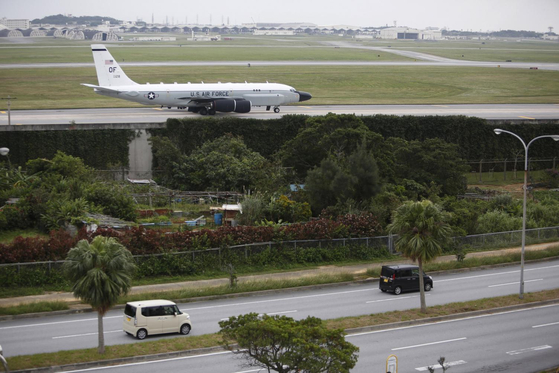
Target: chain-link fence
477	241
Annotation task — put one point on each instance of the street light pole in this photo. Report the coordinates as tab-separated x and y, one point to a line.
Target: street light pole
9	104
525	187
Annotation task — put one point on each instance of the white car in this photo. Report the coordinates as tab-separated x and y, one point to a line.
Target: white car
154	317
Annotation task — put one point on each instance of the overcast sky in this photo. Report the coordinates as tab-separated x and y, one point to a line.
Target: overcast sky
475	15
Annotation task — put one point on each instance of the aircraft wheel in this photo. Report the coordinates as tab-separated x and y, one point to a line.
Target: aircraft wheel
211	112
276	110
203	111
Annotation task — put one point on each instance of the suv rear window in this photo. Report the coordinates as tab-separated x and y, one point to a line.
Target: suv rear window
387	272
130	310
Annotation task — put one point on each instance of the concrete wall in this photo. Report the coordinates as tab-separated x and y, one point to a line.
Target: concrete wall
140	156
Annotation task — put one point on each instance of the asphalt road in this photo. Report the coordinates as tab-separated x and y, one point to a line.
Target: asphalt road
422	60
520	341
54	333
157	115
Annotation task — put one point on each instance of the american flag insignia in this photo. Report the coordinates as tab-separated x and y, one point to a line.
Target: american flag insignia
108	62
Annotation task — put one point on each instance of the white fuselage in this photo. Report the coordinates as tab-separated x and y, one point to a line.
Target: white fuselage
181	95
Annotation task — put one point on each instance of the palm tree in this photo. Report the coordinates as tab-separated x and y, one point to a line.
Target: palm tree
422	232
101	272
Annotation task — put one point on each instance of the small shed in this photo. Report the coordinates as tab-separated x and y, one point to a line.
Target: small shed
229	213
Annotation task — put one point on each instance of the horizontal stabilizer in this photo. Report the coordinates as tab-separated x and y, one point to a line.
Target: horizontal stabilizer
112	90
99	88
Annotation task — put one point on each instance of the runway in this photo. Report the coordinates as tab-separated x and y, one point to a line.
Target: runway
158	115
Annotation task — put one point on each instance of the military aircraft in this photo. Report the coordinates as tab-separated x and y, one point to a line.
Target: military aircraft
202	98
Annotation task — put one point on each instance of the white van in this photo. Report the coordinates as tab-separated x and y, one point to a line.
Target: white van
154	317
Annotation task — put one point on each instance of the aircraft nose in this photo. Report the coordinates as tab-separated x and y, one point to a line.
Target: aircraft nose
304	96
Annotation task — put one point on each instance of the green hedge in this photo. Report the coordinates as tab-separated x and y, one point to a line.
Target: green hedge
97	148
474	136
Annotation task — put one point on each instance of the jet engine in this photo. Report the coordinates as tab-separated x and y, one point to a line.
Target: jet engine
229	105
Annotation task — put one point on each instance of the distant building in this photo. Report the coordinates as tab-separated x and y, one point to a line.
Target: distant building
406	33
22	24
274	32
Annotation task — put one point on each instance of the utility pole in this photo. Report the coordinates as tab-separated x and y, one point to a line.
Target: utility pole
9	104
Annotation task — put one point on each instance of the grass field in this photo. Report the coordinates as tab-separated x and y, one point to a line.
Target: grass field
479	50
50	88
194	52
60	87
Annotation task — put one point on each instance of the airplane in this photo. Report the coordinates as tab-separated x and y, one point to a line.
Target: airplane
199	98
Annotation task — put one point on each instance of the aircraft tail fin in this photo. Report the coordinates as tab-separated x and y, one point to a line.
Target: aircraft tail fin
109	73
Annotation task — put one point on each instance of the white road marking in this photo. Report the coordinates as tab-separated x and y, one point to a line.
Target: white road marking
148	362
449	321
514	283
395	298
429	344
542	325
438	366
496	274
55	323
86	334
281	299
537	348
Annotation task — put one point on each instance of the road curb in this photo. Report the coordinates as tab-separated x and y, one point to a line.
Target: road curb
208	350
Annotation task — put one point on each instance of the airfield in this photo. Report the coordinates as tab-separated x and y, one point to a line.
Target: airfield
493	79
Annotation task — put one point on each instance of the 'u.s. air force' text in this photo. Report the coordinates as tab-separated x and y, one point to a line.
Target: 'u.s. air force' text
210	94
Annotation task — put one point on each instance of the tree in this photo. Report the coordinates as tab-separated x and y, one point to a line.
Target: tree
431	160
339	179
339	135
422	231
101	272
225	163
281	344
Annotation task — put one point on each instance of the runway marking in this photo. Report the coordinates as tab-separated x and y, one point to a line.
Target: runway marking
85	334
430	344
3	112
542	325
395	298
306	107
439	105
537	348
156	108
514	283
438	366
526	117
280	299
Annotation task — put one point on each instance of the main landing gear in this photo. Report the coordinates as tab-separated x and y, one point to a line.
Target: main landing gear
206	111
276	109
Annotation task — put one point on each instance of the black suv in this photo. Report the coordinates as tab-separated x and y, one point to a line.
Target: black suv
399	278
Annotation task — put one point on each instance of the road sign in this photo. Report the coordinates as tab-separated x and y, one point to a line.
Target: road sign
392	364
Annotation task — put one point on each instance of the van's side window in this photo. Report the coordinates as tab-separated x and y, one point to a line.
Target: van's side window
415	272
169	310
405	273
152	311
